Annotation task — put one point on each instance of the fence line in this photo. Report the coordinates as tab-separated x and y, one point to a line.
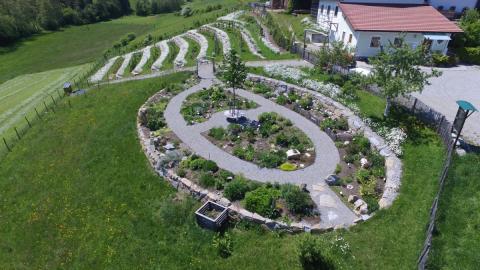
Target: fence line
427	115
49	104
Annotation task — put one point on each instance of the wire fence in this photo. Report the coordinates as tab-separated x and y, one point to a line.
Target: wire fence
48	105
428	116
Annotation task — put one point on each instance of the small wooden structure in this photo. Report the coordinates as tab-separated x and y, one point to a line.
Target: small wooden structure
211	215
67	88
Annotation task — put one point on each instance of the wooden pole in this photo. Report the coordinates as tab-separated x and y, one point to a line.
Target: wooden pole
16	131
6	145
28	122
38	115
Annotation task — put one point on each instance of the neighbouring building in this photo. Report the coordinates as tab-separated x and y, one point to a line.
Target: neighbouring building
367	28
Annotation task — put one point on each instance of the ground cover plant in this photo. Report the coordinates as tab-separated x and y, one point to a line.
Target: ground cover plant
200	106
266	143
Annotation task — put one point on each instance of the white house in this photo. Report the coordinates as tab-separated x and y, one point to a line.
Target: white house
368	27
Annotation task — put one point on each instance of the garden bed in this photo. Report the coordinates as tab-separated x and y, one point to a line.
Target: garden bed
271	142
200	106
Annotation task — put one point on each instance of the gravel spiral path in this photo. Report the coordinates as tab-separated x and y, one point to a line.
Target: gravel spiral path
333	210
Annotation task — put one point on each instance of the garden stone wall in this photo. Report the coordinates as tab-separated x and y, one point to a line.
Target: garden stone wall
393	165
199	193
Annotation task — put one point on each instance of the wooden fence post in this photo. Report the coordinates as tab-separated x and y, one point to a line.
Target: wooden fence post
16	131
28	122
6	145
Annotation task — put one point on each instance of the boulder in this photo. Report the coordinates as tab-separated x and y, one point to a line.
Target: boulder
358	203
352	198
363	209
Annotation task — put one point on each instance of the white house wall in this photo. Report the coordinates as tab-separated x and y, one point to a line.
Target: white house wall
458	4
363	48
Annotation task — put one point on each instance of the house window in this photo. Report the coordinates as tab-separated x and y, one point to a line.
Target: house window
375	42
350	38
321	9
336	11
397	42
343	37
328	10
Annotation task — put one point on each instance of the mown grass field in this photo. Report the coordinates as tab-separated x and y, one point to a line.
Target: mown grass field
456	243
19	96
78	45
80	189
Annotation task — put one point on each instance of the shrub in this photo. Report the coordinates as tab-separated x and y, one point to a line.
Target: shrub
333	124
338	169
154	119
207	180
262	201
267	118
234	129
311	254
217	133
236	189
349	91
223	245
440	60
359	144
306	103
210	166
372	203
282	140
368	188
470	55
362	176
272	159
297	201
287	166
181	172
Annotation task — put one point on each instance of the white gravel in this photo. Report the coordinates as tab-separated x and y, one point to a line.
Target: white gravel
124	65
182	53
200	39
145	56
98	76
222	36
164	51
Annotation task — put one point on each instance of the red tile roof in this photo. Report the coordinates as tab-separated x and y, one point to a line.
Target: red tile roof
397	18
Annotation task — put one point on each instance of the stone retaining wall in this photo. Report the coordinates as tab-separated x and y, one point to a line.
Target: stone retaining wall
393	165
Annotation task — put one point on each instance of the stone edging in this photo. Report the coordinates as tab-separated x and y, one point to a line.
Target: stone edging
202	194
393	165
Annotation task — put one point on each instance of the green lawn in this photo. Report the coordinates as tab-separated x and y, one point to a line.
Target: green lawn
77	192
19	96
455	246
292	23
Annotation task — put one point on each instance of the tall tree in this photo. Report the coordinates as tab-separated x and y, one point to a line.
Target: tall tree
235	74
397	71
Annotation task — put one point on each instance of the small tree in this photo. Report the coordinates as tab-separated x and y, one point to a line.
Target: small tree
235	74
397	71
337	54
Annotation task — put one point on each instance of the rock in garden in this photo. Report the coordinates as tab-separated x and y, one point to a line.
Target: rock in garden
358	203
352	198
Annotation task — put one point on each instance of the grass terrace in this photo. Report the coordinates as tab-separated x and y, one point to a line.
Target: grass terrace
193	50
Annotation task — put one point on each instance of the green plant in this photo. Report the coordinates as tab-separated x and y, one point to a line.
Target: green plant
281	100
298	202
223	245
207	180
263	201
272	159
367	187
372	203
217	133
312	254
440	60
287	166
362	176
338	169
236	189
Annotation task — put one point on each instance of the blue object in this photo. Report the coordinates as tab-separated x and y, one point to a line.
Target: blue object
467	106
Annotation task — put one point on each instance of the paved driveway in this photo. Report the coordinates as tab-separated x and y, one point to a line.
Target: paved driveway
456	83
